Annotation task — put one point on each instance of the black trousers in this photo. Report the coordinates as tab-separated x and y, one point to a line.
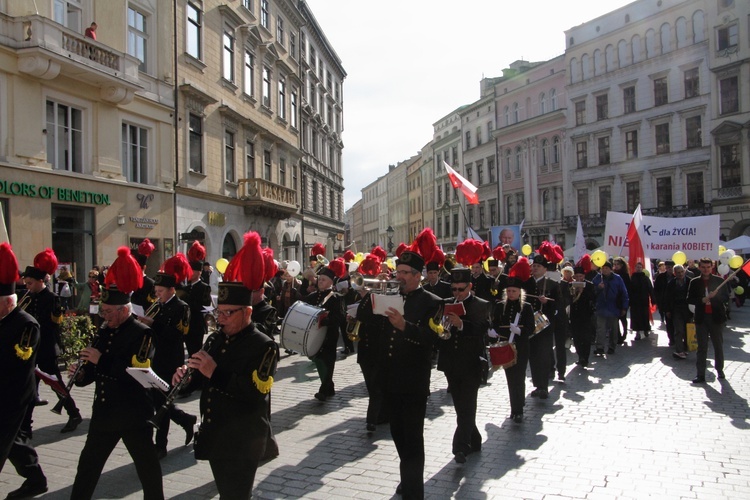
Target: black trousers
15	446
540	356
583	331
407	413
96	451
377	411
516	376
560	359
325	362
49	365
234	478
709	328
464	390
174	414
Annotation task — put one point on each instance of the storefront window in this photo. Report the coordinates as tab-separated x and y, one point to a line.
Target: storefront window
73	238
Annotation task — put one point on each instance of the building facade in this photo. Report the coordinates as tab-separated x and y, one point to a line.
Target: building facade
447	148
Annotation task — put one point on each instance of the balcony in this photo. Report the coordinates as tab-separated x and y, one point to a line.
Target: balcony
265	198
46	49
680	211
587	221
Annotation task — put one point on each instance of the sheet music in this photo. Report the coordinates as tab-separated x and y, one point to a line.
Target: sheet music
148	378
138	310
381	303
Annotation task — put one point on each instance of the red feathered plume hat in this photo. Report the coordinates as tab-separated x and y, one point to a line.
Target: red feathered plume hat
123	278
379	253
317	249
145	249
196	256
498	255
420	251
548	253
270	267
8	270
44	263
519	273
244	274
174	270
437	260
370	265
469	252
348	256
400	249
335	269
584	265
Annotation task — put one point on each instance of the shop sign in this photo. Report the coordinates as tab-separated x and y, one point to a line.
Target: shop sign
51	192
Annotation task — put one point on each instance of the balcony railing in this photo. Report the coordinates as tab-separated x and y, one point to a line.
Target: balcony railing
680	211
262	197
596	220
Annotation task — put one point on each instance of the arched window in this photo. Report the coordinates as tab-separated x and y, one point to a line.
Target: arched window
229	247
575	71
680	28
650	44
622	53
598	62
515	112
586	66
507	162
544	155
636	49
506	112
555	150
666	38
546	209
518	158
542	104
609	58
553	99
698	27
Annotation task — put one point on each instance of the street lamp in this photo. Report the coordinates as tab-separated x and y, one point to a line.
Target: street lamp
390	232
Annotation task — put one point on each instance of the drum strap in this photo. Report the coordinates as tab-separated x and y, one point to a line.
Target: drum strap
330	294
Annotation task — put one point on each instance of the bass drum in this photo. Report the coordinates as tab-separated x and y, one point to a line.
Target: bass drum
300	331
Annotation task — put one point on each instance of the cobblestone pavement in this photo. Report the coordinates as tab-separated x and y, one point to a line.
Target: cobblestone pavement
629	426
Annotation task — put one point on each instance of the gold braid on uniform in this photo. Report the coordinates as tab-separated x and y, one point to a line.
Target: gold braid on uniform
184	324
262	377
57	312
23	349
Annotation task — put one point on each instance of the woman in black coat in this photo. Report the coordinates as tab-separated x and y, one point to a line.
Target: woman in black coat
641	295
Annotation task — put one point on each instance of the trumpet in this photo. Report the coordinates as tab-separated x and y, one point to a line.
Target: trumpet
25	301
153	310
374	285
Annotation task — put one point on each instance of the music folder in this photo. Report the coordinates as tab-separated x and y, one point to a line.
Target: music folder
458	309
148	378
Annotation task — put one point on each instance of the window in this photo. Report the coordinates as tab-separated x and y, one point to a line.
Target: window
468	139
194	35
555	150
469	174
280	30
314	192
480	173
602	107
439	196
515	112
542	104
728	92
518	159
664	193
293	45
293	110
267	168
294	177
507	162
692	83
229	167
582	154
583	202
195	143
266	87
729	165
633	195
135	153
282	171
491	170
479	136
661	96
605	200
489	130
447	226
455	224
580	113
439	227
248	4
543	156
227	56
249	76
662	138
693	132
250	160
137	36
282	98
509	210
302	47
695	189
553	99
333	204
628	99
521	207
481	215
506	113
631	144
470	213
68	13
264	14
64	137
727	37
603	147
493	214
446	192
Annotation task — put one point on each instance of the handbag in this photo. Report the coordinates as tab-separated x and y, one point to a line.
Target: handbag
691	337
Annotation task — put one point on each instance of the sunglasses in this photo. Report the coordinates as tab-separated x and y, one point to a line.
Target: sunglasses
457	289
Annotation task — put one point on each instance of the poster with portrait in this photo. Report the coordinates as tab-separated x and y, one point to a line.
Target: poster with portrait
510	235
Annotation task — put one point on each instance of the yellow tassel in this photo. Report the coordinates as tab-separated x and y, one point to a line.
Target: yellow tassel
493	292
23	353
436	327
137	364
264	386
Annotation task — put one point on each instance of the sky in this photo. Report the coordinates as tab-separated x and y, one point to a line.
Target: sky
410	63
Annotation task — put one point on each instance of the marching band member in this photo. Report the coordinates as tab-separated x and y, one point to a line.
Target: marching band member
144	296
433	283
121	406
235	369
462	357
309	275
514	322
481	283
499	278
327	298
582	319
264	314
19	345
197	295
170	324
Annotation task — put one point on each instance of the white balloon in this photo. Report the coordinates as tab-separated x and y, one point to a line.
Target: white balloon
723	269
293	267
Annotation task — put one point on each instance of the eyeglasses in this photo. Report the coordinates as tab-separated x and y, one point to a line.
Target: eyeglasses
106	312
227	313
457	289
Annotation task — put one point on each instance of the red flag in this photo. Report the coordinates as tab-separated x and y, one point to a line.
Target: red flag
634	242
746	267
467	188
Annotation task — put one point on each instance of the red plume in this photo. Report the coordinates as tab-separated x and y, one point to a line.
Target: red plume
559	253
585	263
270	266
348	256
438	257
521	269
247	265
379	253
177	266
338	266
425	244
499	253
551	253
125	272
46	261
486	251
400	249
370	266
318	249
469	252
197	252
146	248
8	265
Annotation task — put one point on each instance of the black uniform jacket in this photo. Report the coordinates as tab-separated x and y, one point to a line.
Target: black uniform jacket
17	380
170	326
235	422
442	289
120	402
264	318
505	315
44	306
547	288
197	295
144	296
482	286
582	304
461	353
335	307
372	340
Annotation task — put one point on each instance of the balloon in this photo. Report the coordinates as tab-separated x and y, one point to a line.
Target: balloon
647	273
292	267
723	269
359	257
221	265
526	249
722	249
739	290
486	265
679	258
599	257
736	262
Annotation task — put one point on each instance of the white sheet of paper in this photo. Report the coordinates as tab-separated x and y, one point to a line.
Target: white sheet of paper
148	378
351	310
138	310
381	303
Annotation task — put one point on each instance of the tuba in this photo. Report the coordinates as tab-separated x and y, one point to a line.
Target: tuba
322	262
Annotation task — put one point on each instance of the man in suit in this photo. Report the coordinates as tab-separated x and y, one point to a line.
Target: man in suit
461	358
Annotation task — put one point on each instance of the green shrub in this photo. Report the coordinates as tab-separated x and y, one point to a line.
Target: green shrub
75	333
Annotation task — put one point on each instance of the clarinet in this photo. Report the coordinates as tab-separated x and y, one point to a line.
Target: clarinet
179	386
57	409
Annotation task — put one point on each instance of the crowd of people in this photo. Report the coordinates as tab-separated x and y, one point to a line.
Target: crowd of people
459	313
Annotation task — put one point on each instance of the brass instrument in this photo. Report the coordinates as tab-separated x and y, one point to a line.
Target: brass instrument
352	329
24	302
374	285
57	409
153	310
322	262
141	358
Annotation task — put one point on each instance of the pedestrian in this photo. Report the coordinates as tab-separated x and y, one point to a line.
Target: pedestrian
582	321
19	345
620	266
197	295
660	286
676	309
611	303
709	297
641	295
235	371
91	31
122	406
64	287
